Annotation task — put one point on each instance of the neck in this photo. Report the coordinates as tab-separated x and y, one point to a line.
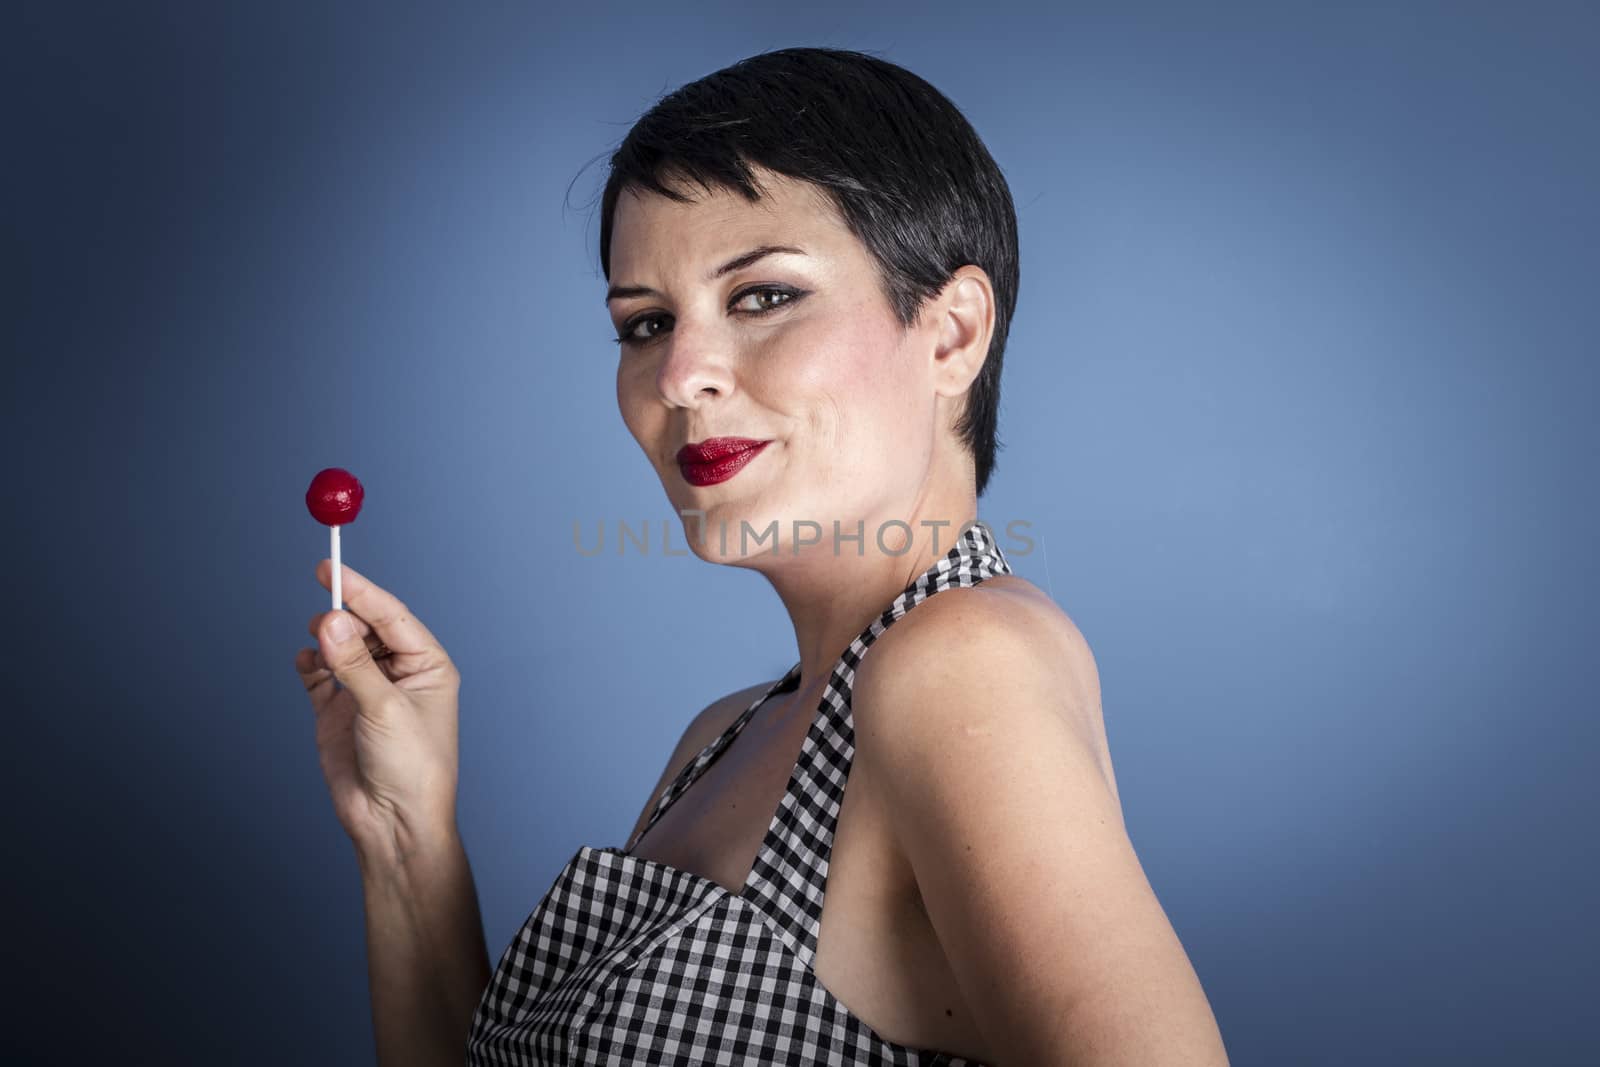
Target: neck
834	590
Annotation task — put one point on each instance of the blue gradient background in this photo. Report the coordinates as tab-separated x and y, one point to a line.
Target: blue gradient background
1299	396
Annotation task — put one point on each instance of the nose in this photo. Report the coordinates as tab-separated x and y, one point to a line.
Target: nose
697	367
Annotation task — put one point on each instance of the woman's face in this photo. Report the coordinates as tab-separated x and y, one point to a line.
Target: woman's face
799	348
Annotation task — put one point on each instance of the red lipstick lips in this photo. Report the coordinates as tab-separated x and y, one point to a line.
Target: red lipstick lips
716	459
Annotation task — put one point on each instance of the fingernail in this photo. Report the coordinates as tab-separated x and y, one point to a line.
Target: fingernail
341	629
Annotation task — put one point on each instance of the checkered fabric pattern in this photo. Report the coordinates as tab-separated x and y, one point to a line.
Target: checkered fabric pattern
630	961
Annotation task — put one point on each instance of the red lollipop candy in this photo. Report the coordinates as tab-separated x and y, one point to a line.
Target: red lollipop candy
335	496
334	500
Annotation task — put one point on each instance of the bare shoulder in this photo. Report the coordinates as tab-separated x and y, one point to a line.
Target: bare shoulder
705	727
1004	636
978	717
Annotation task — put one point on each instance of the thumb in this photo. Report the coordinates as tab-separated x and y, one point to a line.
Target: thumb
351	661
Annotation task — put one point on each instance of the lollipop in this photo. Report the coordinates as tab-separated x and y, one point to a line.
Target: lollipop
335	499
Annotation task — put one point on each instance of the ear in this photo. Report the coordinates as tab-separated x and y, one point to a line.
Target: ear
965	316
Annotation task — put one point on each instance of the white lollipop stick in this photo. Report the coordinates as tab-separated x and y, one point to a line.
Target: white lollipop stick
334	530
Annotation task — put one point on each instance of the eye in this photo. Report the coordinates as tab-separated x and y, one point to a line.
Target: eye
765	300
627	336
760	308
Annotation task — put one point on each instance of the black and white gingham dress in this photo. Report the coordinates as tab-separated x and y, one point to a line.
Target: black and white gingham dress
631	961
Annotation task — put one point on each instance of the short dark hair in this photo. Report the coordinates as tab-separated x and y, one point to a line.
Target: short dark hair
908	173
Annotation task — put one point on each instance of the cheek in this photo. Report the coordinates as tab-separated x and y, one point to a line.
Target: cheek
825	388
859	387
849	393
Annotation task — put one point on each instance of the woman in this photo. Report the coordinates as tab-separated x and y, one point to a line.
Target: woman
813	265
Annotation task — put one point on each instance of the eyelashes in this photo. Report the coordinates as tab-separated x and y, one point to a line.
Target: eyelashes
790	296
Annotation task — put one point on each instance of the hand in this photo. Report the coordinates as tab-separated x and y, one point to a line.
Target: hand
387	729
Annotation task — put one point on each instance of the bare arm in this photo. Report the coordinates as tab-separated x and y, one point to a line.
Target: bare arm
427	963
387	741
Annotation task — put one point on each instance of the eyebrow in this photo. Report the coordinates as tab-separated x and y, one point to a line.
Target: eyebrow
620	292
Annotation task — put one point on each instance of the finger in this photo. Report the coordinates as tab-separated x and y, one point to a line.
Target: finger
386	656
314	627
380	652
389	618
391	669
310	665
350	660
316	677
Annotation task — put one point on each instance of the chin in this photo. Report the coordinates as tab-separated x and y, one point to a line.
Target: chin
737	531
